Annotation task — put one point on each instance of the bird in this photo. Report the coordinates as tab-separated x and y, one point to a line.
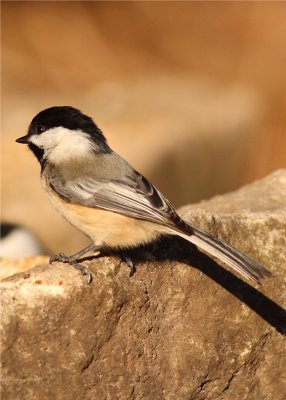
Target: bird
105	198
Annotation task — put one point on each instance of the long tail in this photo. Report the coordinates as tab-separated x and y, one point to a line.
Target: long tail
222	251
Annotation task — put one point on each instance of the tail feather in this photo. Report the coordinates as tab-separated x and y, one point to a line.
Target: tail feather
230	256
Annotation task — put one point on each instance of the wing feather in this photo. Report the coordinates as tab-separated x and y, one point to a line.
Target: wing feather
135	196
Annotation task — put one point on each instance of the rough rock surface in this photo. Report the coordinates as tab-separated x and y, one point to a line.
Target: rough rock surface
181	328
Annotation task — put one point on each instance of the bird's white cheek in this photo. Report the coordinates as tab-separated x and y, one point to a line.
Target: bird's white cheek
60	144
44	141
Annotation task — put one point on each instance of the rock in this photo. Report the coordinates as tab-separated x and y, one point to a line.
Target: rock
181	328
10	266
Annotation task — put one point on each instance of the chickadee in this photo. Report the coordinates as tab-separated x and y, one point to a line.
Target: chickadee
101	195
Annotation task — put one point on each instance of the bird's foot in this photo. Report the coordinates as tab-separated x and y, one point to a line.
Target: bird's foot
61	257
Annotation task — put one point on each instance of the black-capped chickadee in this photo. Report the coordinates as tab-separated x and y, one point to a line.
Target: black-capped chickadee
100	194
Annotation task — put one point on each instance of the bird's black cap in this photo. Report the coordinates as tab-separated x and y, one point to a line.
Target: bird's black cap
67	117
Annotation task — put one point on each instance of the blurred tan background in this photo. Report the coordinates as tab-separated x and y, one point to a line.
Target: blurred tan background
191	93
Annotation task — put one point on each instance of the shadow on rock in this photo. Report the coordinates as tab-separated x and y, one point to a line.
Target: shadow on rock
177	249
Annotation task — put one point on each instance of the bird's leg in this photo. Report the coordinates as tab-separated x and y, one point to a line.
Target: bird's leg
61	257
74	260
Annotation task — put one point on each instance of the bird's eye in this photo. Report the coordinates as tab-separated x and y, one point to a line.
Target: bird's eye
40	129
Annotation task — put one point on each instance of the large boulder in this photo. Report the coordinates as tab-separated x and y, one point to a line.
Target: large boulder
181	328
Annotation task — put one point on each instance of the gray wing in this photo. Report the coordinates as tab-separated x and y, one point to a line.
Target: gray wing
134	197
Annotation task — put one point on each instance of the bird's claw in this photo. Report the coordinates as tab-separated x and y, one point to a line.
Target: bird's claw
61	257
130	264
84	271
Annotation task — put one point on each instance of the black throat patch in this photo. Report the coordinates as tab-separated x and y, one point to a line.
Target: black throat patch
39	153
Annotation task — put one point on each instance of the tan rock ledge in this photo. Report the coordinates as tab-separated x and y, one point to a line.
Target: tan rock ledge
181	328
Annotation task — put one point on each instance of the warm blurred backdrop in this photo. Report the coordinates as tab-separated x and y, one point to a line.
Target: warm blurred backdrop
191	93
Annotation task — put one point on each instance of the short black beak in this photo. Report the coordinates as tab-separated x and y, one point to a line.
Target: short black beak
23	139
